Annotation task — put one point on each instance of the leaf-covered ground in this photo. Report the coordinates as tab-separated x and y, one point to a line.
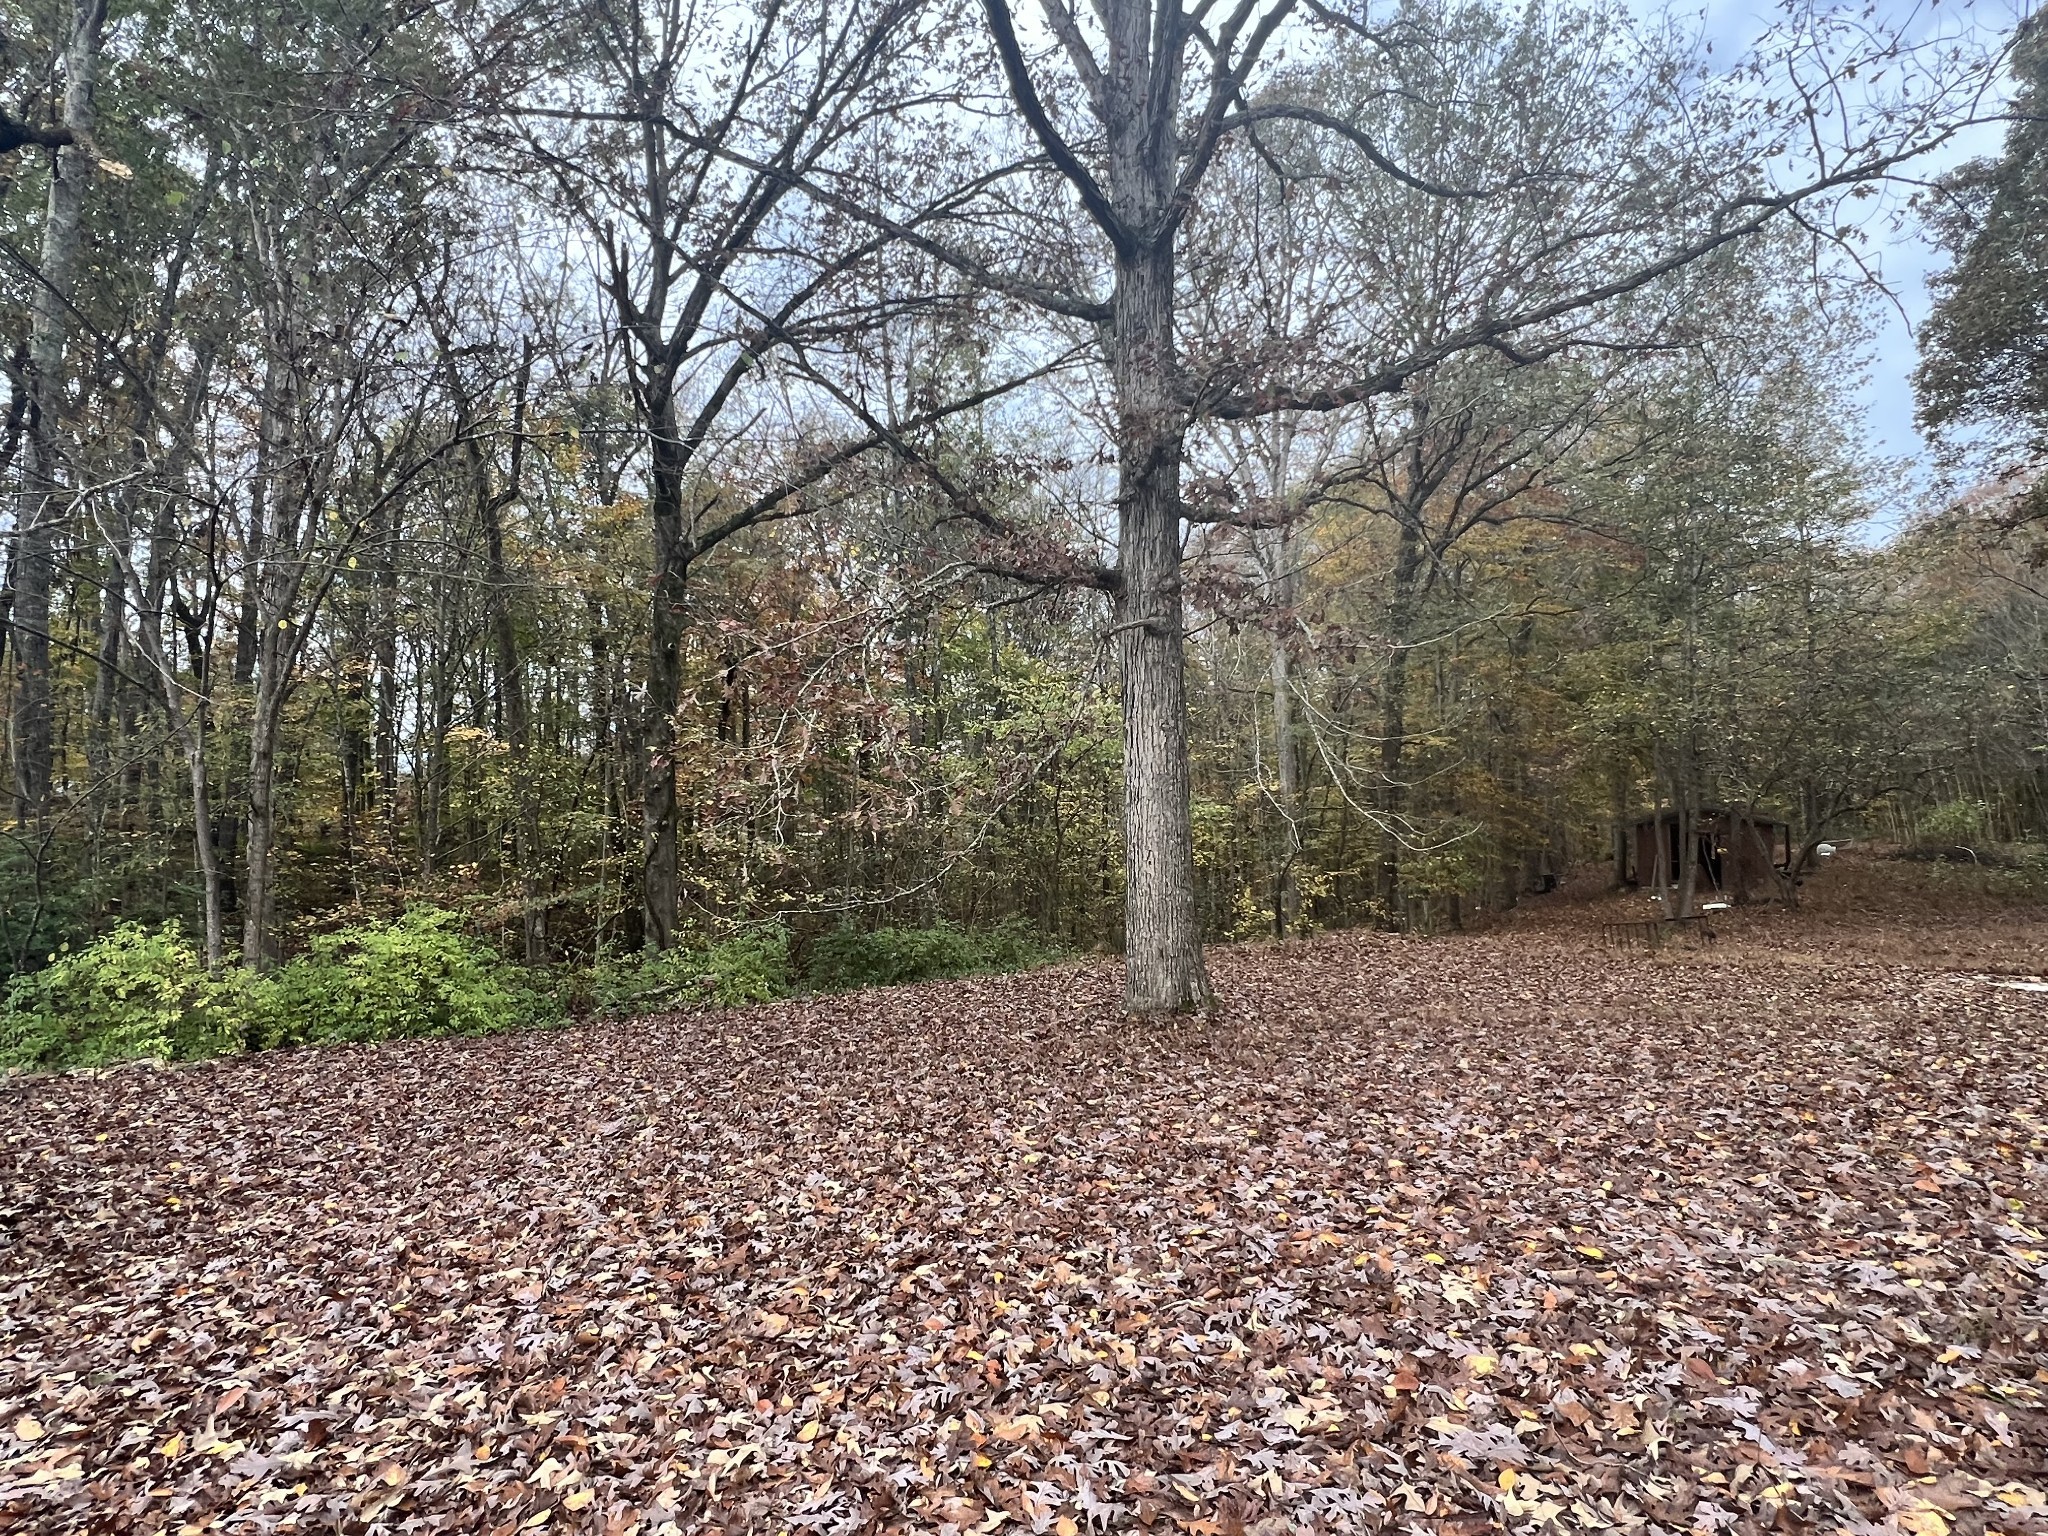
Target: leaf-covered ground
1483	1234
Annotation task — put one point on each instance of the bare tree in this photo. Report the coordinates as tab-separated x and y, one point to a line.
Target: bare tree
1150	92
689	132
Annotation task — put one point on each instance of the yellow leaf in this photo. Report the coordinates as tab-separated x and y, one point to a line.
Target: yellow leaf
1432	1258
1481	1365
1923	1519
809	1432
1066	1527
1507	1479
579	1499
28	1427
538	1520
1590	1251
173	1447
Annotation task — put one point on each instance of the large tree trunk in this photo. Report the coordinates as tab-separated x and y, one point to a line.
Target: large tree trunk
1162	930
36	508
660	871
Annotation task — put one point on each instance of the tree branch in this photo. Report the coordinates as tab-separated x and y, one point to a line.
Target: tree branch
1057	149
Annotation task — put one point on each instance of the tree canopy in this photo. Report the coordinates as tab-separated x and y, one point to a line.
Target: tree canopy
631	473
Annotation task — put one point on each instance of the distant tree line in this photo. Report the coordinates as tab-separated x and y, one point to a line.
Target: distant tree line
1157	471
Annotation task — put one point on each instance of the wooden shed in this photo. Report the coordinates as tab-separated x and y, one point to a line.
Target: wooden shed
1742	854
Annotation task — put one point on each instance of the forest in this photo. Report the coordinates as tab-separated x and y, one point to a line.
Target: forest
913	765
627	483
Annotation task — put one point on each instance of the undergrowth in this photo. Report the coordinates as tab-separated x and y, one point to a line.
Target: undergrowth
140	992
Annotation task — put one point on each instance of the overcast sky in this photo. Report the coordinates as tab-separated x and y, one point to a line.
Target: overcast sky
1904	257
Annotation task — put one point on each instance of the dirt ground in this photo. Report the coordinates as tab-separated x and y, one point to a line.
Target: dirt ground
1861	902
1503	1231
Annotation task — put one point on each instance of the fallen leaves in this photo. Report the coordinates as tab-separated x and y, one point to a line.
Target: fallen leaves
1452	1237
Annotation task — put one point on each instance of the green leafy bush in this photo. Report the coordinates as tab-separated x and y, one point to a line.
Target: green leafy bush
134	992
1012	945
751	966
1957	823
142	992
418	976
884	957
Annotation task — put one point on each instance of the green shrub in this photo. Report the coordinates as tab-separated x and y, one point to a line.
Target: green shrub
1957	823
139	992
1015	944
134	992
884	957
752	966
418	976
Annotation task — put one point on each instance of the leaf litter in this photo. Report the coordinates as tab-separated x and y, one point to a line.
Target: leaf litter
1486	1234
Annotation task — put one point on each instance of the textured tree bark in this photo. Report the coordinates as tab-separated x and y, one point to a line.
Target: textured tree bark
1137	98
36	508
1165	972
660	870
